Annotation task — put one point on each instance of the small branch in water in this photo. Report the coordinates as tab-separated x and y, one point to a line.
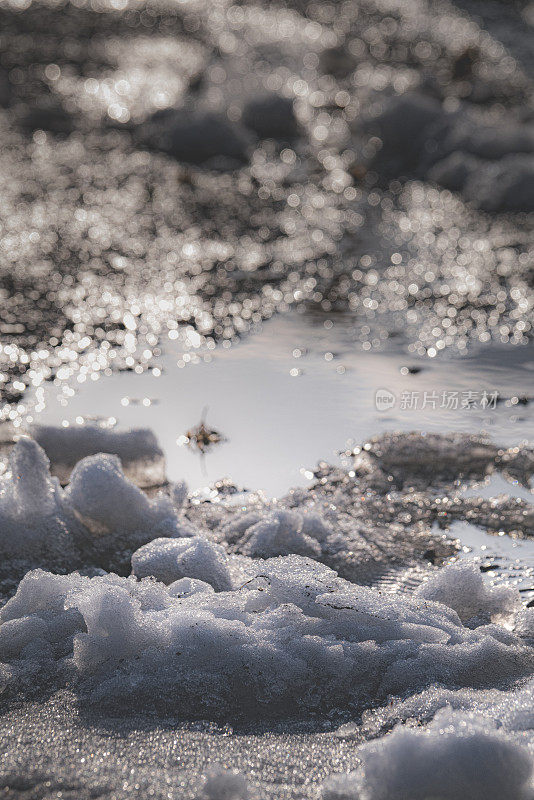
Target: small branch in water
202	437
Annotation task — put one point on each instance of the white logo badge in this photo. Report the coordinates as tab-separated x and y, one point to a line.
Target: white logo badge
384	399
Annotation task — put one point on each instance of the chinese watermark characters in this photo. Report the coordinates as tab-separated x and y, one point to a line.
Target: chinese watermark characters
445	400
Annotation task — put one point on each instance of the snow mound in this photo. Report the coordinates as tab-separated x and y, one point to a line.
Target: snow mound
291	638
456	756
141	456
462	587
105	501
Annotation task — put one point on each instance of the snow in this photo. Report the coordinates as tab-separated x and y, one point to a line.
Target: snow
31	492
100	516
169	560
224	784
227	613
140	454
105	502
280	533
32	525
286	635
456	756
462	588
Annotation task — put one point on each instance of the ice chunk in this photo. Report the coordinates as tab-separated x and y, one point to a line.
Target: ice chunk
141	457
463	588
168	560
457	756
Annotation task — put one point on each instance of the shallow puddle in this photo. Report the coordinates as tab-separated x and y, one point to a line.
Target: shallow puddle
297	391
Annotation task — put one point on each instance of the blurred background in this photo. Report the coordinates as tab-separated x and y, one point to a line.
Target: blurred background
174	174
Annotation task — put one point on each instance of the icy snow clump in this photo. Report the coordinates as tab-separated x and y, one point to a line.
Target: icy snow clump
224	784
169	560
32	523
292	637
278	533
